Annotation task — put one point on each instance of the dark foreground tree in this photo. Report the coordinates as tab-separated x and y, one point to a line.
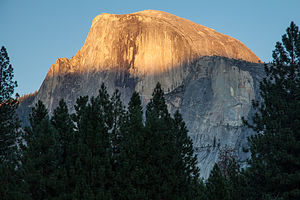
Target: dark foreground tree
274	170
185	162
8	105
226	180
40	160
8	129
93	164
157	140
132	178
236	182
170	163
217	186
66	154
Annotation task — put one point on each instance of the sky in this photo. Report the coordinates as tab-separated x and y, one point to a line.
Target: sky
37	32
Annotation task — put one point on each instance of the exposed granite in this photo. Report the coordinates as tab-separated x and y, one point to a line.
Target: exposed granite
210	77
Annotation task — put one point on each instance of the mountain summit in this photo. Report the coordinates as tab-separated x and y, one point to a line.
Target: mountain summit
211	78
150	42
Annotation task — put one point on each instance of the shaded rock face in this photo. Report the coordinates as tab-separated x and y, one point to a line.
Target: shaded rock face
210	77
212	99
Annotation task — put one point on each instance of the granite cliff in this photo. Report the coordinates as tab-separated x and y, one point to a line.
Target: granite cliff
210	77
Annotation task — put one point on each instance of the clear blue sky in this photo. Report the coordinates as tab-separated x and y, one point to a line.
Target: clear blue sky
37	32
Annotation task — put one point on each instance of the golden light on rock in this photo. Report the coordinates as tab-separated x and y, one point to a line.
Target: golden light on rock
149	42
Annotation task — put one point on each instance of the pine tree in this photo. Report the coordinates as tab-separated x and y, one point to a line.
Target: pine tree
93	169
158	145
80	151
172	171
187	172
8	105
216	186
118	114
62	122
8	129
39	160
116	111
275	163
64	126
236	181
106	106
227	177
132	178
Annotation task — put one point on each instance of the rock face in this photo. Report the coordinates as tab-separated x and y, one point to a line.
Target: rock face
210	77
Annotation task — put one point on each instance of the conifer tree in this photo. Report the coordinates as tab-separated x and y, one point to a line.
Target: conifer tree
231	180
8	129
171	161
216	186
132	181
235	178
275	162
39	160
158	144
77	168
8	105
118	114
115	110
187	172
106	106
64	126
62	122
93	171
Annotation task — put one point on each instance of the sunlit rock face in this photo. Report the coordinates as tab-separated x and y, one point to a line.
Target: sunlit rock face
210	77
151	42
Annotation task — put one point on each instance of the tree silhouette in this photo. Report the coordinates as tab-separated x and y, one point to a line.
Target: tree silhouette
274	165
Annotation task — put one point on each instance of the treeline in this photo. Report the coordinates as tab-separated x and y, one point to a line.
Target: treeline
106	151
